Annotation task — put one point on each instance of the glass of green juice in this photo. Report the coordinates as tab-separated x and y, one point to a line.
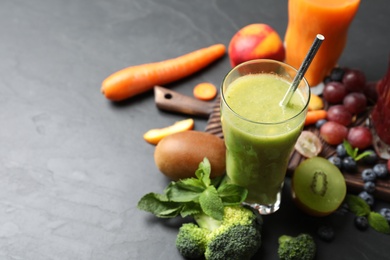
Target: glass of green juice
259	133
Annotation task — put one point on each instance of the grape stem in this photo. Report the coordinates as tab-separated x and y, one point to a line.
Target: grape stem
319	183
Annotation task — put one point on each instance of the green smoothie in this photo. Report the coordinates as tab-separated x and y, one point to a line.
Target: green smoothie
260	134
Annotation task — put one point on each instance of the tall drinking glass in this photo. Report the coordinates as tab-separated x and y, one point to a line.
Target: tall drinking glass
306	19
259	133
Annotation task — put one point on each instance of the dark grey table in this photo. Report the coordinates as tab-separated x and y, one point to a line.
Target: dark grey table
74	165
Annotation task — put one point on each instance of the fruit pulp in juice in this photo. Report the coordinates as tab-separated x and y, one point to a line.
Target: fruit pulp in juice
259	146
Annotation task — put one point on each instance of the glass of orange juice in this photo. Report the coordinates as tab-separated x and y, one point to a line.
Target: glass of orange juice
306	19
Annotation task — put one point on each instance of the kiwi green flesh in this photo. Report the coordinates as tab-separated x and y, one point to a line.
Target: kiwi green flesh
312	192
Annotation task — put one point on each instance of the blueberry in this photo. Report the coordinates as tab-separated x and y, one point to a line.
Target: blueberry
349	164
368	175
386	213
380	170
341	151
361	222
367	198
369	187
336	161
327	79
320	122
371	158
343	209
326	233
337	74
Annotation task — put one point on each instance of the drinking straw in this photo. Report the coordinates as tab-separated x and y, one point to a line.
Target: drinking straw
302	70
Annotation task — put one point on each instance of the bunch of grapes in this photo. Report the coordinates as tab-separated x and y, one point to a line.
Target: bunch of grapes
348	94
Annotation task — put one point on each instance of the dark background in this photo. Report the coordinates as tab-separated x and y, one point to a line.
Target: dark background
74	165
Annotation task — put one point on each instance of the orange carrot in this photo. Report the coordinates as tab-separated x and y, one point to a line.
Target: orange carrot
153	136
134	80
315	115
205	91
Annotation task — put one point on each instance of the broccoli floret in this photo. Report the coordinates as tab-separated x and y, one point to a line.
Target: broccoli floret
237	236
301	247
191	241
237	242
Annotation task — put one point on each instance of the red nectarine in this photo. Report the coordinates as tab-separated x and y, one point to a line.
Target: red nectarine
255	41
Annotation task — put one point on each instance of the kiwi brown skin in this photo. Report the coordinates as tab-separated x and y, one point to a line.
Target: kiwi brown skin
306	209
178	155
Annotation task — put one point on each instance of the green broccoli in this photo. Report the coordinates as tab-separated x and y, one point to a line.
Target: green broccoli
191	241
223	230
301	247
237	236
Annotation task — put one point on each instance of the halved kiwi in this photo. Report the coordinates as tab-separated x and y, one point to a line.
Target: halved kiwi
318	187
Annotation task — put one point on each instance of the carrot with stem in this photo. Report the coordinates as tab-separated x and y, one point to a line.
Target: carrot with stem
135	80
315	115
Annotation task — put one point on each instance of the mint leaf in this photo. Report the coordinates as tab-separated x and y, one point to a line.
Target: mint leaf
354	153
362	155
211	203
378	222
357	205
159	205
218	181
181	193
191	184
190	209
349	149
194	196
232	194
203	172
360	208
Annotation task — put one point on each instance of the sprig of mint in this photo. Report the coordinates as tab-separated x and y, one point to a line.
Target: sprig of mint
359	207
192	196
354	152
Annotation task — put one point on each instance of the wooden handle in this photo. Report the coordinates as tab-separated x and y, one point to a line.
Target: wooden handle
169	100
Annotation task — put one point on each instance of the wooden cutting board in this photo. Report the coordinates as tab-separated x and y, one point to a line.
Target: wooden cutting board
353	180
